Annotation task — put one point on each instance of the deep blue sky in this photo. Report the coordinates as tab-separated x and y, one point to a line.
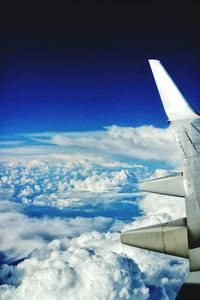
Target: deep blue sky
82	67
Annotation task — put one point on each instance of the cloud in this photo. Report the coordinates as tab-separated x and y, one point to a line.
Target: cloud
159	204
69	183
158	208
91	266
21	234
72	260
80	262
82	258
74	269
67	258
144	143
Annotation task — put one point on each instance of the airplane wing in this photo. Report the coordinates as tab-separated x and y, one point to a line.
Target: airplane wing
179	237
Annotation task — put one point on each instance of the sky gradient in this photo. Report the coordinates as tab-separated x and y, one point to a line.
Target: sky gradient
84	67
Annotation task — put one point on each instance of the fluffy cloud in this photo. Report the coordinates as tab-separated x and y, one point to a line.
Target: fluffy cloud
159	208
75	258
145	142
69	183
73	269
159	204
90	266
21	234
155	209
85	265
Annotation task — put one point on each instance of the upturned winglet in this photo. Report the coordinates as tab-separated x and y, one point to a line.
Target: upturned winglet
175	105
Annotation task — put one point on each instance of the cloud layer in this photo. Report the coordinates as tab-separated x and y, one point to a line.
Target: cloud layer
73	269
87	264
143	143
51	249
91	266
69	183
21	234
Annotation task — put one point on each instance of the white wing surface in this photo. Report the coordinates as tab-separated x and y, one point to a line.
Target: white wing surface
179	237
176	106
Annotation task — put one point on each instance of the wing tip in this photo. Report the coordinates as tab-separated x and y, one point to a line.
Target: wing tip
176	106
153	61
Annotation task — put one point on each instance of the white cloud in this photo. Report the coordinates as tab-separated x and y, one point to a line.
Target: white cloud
75	269
92	266
102	182
63	183
155	209
145	142
158	208
72	170
89	264
21	234
159	204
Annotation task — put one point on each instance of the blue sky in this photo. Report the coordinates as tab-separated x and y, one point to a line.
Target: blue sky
70	93
85	69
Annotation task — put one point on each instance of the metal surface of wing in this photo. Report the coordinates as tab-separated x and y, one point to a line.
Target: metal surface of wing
176	106
169	185
182	239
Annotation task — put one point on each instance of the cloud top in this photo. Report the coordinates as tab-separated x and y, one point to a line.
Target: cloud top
143	143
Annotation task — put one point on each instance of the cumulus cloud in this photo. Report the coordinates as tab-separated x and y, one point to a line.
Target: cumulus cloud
73	269
85	265
91	266
88	264
157	208
69	183
21	234
159	204
74	258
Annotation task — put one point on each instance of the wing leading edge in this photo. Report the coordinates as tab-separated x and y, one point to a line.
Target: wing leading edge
185	125
176	106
